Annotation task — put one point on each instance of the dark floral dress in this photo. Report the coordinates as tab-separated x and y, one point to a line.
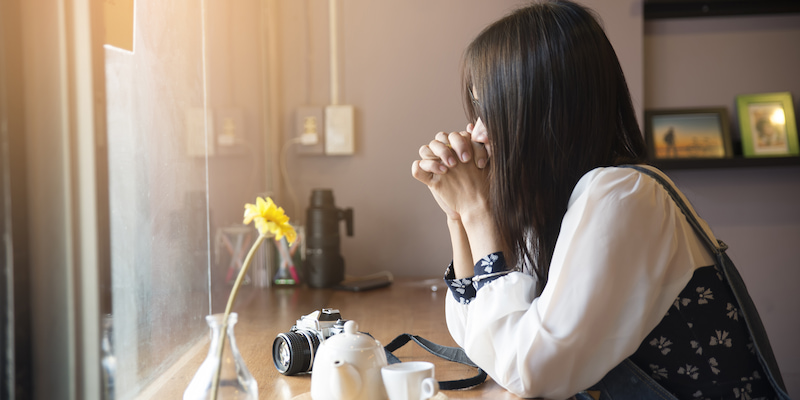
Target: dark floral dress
702	348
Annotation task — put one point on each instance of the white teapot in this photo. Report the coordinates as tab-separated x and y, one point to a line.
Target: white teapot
348	367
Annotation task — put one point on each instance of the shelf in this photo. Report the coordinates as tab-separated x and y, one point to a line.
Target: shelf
656	9
724	163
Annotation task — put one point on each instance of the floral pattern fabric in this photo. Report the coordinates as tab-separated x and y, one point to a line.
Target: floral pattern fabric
487	269
701	349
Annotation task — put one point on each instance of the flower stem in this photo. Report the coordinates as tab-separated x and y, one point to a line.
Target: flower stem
231	299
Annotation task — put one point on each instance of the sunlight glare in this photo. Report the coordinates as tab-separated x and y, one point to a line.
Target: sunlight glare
778	117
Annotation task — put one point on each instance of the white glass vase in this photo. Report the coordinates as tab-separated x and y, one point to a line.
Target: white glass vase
235	381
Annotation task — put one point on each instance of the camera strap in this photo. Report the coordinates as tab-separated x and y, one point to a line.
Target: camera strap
455	354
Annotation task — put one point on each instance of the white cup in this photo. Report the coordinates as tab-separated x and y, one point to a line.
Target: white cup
410	381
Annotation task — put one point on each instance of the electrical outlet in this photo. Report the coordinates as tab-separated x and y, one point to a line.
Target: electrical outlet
309	125
339	130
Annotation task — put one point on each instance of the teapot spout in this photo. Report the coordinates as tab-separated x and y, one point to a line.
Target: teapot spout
345	381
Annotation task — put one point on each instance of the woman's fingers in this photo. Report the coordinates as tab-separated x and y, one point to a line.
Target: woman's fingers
480	154
439	149
447	149
461	145
420	174
424	170
444	152
426	153
479	151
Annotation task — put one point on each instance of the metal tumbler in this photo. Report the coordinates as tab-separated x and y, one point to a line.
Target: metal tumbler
324	264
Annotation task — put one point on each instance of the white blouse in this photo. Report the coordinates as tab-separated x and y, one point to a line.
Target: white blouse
624	253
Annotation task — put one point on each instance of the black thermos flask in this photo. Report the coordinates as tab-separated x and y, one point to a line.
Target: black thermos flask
324	263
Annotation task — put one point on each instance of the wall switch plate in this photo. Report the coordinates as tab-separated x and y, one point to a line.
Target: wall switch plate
339	130
309	121
231	133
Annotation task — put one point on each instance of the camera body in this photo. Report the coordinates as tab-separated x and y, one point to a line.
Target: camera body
293	352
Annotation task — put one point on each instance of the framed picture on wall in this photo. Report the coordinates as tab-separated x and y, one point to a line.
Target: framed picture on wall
767	125
688	133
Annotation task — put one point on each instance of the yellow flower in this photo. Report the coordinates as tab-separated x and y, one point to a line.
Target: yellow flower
269	218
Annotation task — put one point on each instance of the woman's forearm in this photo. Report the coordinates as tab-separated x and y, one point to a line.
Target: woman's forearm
462	255
482	235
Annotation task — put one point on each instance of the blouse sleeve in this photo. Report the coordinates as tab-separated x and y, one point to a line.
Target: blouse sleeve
624	253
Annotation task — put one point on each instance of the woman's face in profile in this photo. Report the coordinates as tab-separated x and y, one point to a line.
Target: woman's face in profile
480	135
478	129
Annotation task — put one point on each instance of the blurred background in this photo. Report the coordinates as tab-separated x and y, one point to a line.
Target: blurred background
201	105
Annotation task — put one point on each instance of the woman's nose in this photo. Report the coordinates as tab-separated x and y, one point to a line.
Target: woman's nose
479	133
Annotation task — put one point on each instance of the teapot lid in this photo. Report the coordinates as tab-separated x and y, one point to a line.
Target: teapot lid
351	339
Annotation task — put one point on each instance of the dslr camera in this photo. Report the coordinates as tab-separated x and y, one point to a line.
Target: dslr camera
293	352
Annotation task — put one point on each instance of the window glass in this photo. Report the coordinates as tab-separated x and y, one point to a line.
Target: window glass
184	114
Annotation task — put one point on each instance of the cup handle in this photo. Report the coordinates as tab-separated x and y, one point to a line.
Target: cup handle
429	388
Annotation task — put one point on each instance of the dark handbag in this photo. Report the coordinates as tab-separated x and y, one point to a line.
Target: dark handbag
455	354
747	308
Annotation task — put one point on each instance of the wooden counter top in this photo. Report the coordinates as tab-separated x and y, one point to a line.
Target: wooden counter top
407	306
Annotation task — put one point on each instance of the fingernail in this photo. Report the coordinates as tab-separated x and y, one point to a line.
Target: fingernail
442	168
451	161
481	163
464	157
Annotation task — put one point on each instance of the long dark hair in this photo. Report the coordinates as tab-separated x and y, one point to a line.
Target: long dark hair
549	88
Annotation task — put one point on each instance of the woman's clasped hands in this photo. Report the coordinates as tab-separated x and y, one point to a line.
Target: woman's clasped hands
454	167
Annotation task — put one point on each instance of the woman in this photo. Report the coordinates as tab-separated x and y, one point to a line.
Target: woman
564	264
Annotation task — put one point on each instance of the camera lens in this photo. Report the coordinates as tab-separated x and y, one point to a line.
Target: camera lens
293	352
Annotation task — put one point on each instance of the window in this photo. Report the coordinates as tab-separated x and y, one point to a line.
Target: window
184	112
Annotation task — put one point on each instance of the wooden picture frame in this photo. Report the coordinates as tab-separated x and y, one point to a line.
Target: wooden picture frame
690	133
767	125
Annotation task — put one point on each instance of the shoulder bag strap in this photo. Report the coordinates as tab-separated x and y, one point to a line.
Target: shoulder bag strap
746	306
455	354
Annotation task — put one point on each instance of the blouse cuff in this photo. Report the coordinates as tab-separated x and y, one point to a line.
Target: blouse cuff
487	269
